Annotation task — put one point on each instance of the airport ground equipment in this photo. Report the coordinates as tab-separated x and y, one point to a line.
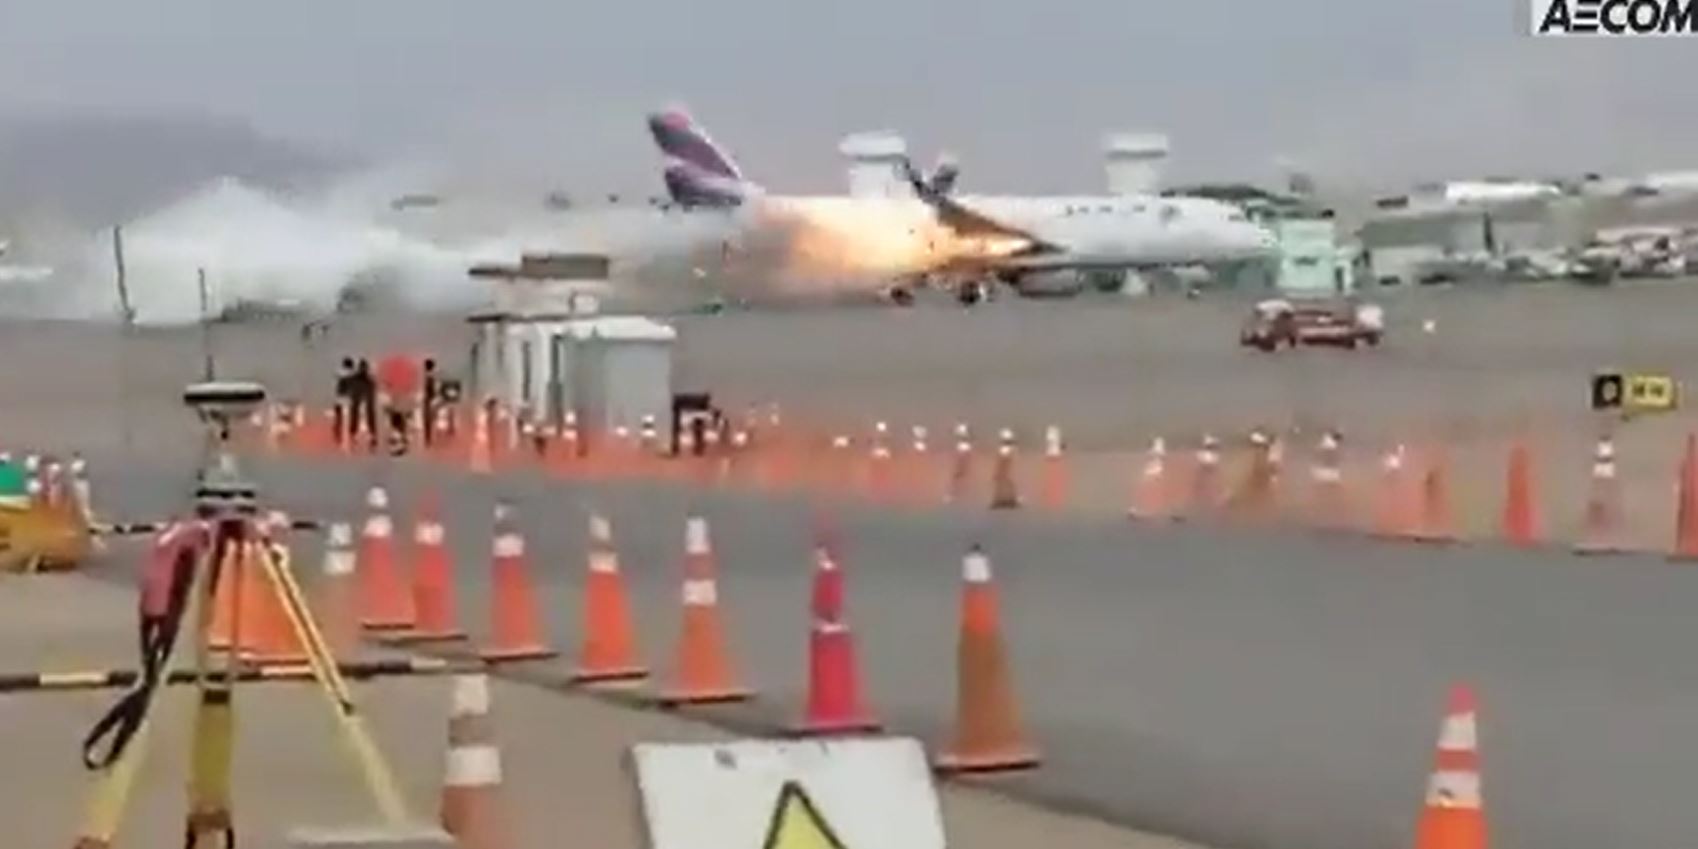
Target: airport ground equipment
225	535
42	529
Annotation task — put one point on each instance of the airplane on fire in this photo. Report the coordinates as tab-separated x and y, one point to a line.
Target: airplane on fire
934	236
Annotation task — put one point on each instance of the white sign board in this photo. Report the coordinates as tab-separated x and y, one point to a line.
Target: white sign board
873	793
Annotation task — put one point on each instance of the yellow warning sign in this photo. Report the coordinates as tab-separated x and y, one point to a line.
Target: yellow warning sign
1650	393
797	823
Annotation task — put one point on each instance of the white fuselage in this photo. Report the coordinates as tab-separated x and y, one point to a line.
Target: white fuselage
904	236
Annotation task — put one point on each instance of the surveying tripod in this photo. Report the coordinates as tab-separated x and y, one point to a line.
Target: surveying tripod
225	537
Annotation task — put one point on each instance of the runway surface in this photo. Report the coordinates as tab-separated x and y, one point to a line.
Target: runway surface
1243	689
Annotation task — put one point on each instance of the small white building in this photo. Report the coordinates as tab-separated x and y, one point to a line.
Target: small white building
543	348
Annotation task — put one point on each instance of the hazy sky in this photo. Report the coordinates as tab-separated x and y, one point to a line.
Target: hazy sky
1022	91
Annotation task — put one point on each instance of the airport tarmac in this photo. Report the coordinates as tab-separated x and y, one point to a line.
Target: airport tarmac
562	758
1241	688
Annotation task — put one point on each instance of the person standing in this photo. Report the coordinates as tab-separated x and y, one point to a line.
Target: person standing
343	419
398	375
430	396
364	406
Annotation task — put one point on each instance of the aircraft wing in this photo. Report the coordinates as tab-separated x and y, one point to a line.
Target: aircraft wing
971	223
961	219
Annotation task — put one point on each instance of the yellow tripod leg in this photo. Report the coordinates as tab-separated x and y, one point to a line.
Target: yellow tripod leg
379	780
110	796
209	822
210	825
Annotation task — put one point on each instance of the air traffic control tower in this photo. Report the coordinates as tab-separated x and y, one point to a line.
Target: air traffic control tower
1135	162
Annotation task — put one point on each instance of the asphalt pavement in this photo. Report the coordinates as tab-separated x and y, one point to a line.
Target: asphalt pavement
1241	688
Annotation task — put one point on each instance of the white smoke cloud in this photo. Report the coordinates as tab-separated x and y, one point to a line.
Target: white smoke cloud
305	251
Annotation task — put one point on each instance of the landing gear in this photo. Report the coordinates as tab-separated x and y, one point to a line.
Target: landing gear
971	292
901	296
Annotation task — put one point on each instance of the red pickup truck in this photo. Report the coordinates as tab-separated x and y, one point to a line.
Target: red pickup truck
1280	322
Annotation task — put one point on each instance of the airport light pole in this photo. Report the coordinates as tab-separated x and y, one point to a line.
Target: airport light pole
205	324
126	331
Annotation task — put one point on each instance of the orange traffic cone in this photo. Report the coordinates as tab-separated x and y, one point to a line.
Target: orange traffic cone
1150	492
478	459
1005	491
1601	530
1394	513
515	622
275	641
233	601
1437	521
961	467
433	580
1453	816
988	733
610	647
1255	497
1205	478
920	481
834	704
336	608
472	809
1053	479
1329	503
1520	515
877	480
703	667
1686	516
385	602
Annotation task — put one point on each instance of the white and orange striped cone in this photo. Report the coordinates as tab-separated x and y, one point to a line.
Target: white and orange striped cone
735	466
516	626
337	608
1150	493
386	598
478	452
834	702
702	670
989	733
1602	531
473	810
880	477
1053	480
1005	488
648	447
919	483
1329	505
1254	498
1453	815
836	475
609	651
1395	513
435	600
82	501
1205	477
961	468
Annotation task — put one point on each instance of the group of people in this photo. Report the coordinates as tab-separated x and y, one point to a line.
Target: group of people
393	392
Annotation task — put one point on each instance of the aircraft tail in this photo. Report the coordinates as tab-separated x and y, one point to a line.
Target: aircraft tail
698	172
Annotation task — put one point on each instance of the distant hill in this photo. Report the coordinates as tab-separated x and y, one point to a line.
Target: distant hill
92	171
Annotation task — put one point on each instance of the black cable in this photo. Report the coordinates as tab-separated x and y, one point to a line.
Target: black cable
120	724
